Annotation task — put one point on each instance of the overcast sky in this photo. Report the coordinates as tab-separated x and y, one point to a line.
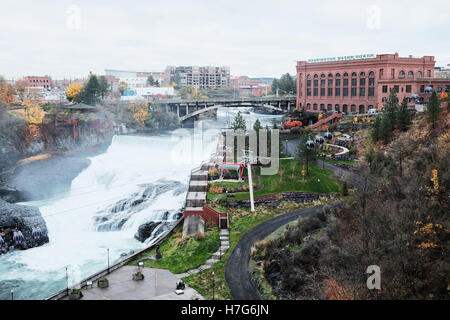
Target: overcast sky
253	37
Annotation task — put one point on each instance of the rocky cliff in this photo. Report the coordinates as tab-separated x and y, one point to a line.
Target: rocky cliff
20	141
27	220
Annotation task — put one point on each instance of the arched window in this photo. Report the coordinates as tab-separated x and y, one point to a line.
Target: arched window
316	76
330	75
410	74
361	109
345	74
362	74
354	74
353	108
329	107
401	74
419	74
338	75
308	106
345	108
337	108
371	73
322	75
322	106
308	76
315	106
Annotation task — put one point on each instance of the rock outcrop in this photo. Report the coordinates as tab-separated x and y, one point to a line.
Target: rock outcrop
145	230
27	220
116	215
10	194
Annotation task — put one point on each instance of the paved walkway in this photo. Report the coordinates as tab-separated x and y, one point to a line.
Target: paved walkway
159	284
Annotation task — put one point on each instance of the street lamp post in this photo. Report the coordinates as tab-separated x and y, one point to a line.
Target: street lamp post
67	281
213	284
108	258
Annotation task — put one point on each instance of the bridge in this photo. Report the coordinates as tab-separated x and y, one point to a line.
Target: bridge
186	109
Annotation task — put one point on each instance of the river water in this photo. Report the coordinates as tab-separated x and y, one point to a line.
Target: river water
85	224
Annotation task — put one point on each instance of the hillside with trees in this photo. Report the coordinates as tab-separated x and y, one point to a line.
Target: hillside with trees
401	227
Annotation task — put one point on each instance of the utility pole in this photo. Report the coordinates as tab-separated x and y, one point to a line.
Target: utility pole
250	182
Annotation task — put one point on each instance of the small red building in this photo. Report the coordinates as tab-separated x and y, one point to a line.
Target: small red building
355	84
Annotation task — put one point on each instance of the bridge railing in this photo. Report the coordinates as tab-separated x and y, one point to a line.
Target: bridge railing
225	100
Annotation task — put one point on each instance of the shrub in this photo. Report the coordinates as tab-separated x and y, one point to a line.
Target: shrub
309	224
210	224
213	172
199	236
344	189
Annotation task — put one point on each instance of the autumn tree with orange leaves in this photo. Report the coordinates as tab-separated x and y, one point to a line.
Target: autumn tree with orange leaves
6	92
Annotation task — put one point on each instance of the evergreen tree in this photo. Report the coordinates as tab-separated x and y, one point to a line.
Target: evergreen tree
91	91
306	156
391	108
274	86
433	109
404	116
385	129
103	86
375	134
257	126
274	125
389	120
345	189
239	122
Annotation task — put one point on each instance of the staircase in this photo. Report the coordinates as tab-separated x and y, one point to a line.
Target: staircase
328	119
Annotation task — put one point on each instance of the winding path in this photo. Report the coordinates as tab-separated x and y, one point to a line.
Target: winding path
237	274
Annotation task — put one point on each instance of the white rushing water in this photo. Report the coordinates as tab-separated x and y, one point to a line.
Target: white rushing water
129	164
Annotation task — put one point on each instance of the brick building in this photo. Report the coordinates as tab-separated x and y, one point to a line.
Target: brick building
355	84
36	82
247	86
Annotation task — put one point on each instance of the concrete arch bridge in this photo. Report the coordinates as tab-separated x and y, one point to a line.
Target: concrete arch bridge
190	109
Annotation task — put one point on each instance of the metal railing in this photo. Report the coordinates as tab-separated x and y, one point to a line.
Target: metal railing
226	100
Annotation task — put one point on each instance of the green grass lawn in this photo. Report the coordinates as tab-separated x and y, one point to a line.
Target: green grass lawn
229	184
289	179
202	282
181	255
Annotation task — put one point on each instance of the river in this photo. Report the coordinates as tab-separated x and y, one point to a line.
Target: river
96	216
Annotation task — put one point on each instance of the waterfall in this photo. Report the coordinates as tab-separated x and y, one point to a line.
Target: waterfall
137	180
